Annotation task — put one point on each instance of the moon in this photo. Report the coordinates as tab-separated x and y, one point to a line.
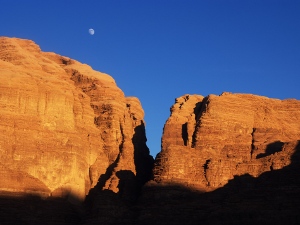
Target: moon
91	31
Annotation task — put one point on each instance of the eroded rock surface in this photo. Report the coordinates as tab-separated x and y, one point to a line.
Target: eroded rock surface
271	198
68	132
207	141
62	125
228	159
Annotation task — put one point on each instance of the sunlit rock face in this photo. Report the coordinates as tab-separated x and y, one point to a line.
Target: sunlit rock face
68	132
62	125
207	141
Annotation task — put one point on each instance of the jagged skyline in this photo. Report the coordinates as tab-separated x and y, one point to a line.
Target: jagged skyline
160	50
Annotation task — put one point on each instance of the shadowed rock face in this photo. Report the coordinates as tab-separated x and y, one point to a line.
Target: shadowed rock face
62	125
207	141
271	198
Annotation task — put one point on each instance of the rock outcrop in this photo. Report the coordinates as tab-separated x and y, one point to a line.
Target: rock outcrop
228	159
73	151
271	198
207	141
63	125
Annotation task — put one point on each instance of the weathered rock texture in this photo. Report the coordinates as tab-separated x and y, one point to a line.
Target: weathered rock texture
271	198
68	132
228	159
207	141
63	125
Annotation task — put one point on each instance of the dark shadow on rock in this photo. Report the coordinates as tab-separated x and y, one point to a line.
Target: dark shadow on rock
184	127
200	107
142	159
197	108
20	208
94	192
184	134
271	149
271	198
107	207
128	188
104	177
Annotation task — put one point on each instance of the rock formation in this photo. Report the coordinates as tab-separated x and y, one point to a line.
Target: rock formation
271	198
228	159
207	141
73	151
62	125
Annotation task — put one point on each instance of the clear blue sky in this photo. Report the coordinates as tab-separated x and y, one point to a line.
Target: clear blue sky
158	50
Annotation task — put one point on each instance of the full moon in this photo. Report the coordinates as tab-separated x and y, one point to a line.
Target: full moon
91	31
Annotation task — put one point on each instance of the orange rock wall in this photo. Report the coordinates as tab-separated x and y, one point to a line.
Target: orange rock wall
62	124
207	141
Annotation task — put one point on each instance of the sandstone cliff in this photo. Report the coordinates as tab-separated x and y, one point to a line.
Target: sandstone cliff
73	151
207	141
228	159
271	198
62	125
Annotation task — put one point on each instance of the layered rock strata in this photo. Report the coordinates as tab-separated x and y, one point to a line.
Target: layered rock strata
209	140
62	125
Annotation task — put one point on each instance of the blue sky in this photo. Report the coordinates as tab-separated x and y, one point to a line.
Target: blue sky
158	50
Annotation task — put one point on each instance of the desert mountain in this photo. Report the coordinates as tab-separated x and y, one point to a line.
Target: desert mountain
73	151
63	125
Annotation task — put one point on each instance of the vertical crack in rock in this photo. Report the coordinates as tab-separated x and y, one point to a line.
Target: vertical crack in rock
184	134
189	128
180	126
123	139
252	143
205	168
199	109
